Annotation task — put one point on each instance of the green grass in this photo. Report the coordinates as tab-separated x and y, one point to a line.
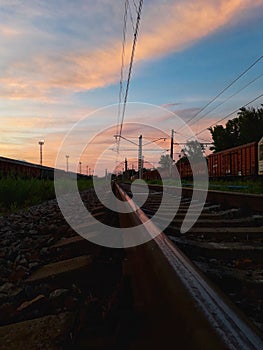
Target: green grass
18	193
244	186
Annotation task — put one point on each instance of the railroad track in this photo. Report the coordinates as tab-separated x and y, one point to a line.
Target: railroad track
84	296
226	242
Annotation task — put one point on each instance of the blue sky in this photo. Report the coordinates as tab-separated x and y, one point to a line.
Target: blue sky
60	61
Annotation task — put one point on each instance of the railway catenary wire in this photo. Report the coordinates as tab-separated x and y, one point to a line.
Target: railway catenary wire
228	115
122	62
231	96
130	68
222	91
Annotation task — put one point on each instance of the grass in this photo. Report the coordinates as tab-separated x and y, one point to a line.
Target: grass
18	193
244	186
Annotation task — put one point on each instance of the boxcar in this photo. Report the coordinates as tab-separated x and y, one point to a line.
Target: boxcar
19	168
237	161
260	157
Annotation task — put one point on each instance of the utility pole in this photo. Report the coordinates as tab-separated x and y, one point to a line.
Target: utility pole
172	145
125	168
140	158
171	152
67	157
41	143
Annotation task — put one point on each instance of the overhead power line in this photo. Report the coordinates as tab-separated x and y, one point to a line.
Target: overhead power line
131	17
220	120
135	6
237	92
222	91
122	61
130	67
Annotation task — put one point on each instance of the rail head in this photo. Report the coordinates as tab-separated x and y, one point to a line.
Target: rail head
231	326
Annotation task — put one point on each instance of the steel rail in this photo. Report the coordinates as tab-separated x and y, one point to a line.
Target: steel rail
234	330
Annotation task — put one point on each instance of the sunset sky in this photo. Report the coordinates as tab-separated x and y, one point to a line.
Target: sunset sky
61	62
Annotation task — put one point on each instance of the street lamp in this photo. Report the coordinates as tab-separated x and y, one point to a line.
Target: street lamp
41	143
67	157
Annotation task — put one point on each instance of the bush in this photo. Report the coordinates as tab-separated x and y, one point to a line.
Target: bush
17	193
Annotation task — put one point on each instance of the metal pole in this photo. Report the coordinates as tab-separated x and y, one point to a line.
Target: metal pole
171	152
40	153
140	158
172	145
67	157
41	143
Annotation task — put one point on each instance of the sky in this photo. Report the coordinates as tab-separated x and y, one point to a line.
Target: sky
61	66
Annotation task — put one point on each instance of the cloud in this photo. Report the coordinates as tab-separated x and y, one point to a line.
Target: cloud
170	105
180	24
54	50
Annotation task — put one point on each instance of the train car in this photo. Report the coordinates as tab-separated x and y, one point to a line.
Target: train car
236	161
151	174
23	169
260	157
184	169
18	168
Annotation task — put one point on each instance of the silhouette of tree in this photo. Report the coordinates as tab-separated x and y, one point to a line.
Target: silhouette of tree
247	127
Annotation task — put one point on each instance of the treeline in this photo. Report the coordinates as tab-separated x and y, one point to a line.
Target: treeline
246	127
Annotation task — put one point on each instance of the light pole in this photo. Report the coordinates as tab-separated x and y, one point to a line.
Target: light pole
140	158
140	145
41	143
171	153
67	157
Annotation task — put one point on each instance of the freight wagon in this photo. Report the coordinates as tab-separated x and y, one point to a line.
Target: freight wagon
237	161
260	157
23	169
26	170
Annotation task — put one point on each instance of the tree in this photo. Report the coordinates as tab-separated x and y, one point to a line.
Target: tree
246	127
193	150
165	162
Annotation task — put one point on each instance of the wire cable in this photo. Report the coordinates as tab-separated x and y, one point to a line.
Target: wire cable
226	88
220	120
236	93
122	63
135	6
131	17
130	67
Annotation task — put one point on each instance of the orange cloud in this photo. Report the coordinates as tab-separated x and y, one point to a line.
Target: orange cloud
8	31
176	26
179	25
